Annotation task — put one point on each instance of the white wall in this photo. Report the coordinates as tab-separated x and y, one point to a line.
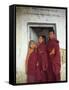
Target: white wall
34	36
25	15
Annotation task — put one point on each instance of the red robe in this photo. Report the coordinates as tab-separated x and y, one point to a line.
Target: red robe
33	73
54	63
43	61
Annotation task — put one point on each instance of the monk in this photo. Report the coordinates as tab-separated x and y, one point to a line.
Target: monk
54	63
32	64
42	54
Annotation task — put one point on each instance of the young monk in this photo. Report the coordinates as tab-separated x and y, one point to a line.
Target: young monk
32	64
42	55
54	63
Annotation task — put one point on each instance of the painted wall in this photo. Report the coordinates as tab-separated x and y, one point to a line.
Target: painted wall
40	15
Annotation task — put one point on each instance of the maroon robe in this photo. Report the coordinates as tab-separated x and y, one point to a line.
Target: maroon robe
33	73
43	61
54	63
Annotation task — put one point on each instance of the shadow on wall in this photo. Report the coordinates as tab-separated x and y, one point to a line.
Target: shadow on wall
21	77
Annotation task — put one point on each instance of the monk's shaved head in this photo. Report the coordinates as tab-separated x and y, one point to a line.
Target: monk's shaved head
51	31
51	34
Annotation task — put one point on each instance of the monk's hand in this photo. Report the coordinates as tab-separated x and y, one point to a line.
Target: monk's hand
37	64
52	52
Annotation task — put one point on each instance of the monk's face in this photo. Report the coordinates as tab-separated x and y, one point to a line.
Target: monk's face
51	35
33	45
40	40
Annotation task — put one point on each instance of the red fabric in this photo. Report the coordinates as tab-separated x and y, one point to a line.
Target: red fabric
53	60
32	67
43	61
34	74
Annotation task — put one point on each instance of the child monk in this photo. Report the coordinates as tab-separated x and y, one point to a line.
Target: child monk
32	64
42	55
54	63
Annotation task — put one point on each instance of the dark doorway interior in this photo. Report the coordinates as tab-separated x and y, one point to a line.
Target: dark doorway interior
36	31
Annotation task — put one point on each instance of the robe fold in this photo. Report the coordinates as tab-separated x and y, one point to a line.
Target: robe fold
43	61
54	63
33	73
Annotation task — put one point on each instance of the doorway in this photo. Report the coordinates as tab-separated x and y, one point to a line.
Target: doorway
36	29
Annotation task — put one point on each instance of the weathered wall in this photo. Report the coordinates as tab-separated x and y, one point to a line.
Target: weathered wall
37	15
